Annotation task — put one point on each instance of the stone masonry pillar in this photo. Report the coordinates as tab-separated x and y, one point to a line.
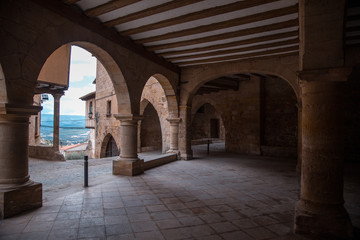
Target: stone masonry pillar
56	137
320	210
128	163
185	133
17	192
174	135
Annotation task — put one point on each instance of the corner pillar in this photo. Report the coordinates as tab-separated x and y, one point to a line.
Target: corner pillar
17	192
174	135
128	163
185	133
320	211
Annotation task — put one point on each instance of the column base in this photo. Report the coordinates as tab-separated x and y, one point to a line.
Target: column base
128	167
177	152
21	199
323	221
186	156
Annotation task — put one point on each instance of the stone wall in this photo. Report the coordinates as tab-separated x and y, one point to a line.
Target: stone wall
150	133
154	93
200	126
34	126
259	118
279	119
105	123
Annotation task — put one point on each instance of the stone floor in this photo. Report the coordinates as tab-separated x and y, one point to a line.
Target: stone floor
216	196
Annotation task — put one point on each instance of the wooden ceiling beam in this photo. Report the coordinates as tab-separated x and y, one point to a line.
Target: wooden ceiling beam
221	25
80	19
239	56
236	6
150	11
232	44
218	37
237	50
108	7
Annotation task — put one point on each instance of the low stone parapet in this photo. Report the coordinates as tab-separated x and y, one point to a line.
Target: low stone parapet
46	153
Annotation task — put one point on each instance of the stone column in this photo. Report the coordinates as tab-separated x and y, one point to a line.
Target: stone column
17	192
185	133
139	137
128	163
174	135
320	210
56	138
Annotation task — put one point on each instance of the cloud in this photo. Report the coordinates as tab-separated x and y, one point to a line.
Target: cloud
70	104
82	64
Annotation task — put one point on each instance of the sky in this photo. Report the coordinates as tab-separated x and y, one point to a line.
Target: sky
82	74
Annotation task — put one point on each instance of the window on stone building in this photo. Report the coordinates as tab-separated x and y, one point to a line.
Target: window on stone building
36	126
108	109
90	109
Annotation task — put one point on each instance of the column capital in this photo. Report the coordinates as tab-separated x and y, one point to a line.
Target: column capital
57	95
26	110
325	74
184	107
174	120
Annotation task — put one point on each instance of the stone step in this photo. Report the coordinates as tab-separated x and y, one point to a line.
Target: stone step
158	160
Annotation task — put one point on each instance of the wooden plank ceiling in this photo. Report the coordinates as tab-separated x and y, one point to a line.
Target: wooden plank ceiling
193	32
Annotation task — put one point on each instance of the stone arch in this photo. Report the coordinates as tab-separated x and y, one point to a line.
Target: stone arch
169	93
105	144
154	125
203	128
284	68
160	93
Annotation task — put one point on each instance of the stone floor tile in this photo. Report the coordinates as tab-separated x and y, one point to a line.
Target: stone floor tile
70	223
139	217
114	211
39	226
129	236
44	217
245	223
113	204
135	210
200	230
11	228
111	199
260	233
237	235
191	221
162	215
210	237
71	208
34	235
230	216
177	233
279	229
92	213
183	213
264	220
175	206
155	235
116	220
144	226
64	233
118	229
212	218
223	227
201	210
156	208
168	223
92	232
68	215
88	222
220	208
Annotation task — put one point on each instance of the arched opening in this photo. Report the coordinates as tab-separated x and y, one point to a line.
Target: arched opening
160	94
259	112
207	124
150	130
109	147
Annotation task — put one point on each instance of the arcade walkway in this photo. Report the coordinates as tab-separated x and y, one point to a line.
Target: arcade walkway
220	196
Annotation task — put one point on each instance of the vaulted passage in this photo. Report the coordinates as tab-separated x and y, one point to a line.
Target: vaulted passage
272	85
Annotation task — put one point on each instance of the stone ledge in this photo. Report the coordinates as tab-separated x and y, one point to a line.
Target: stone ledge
24	198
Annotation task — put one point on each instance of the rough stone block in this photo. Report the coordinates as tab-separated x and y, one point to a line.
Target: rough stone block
25	198
128	168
